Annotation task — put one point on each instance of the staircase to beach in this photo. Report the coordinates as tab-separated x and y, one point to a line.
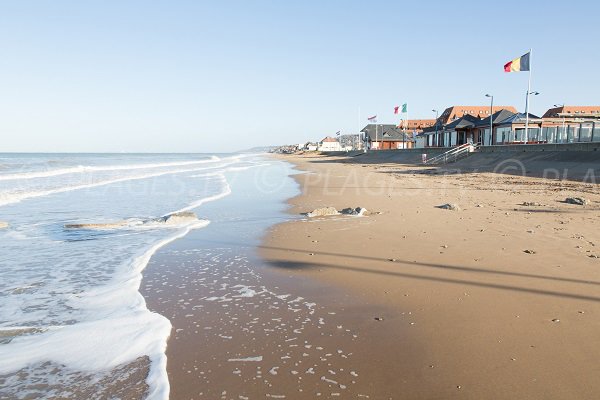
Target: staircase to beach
453	154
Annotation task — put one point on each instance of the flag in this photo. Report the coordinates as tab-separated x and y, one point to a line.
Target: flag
518	64
404	108
396	109
373	118
338	133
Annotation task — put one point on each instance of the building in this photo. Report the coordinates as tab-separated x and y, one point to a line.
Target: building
512	130
455	112
481	132
350	142
309	146
507	128
459	131
573	112
569	124
329	144
386	137
564	124
416	125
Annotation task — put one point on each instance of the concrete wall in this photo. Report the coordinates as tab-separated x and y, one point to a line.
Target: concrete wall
586	146
405	156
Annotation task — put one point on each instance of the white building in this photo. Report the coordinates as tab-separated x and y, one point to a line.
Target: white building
309	146
329	144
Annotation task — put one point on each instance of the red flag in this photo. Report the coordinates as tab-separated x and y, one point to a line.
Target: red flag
396	109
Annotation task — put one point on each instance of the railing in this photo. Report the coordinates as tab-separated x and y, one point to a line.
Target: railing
453	155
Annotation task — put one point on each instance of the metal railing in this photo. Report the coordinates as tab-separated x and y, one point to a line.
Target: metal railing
453	155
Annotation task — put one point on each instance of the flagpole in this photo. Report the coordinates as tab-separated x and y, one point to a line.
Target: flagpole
405	126
358	128
527	99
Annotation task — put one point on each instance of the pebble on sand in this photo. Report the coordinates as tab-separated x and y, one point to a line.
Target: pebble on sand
322	212
450	206
580	201
329	211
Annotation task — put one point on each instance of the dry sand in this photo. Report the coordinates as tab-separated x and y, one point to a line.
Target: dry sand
499	300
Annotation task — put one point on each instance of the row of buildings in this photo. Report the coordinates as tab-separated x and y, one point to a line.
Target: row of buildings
564	124
458	125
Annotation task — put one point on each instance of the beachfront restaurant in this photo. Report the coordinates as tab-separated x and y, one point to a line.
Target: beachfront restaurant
460	131
512	130
457	132
564	124
481	130
571	124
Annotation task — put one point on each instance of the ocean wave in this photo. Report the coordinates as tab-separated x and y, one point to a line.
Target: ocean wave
226	191
120	329
114	325
84	169
7	198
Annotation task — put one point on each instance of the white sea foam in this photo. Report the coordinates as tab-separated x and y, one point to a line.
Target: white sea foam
120	329
244	291
16	197
246	359
84	168
226	192
111	324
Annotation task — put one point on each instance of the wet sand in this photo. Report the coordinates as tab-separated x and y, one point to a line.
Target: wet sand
244	329
498	300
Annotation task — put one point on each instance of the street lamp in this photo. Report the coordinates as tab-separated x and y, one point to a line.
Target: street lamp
491	122
527	93
436	124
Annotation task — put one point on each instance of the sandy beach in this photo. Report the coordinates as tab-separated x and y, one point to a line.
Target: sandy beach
498	299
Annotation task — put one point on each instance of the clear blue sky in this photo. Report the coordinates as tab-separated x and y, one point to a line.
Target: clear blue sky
204	76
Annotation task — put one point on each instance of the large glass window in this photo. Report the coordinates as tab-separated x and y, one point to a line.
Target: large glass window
585	134
596	134
503	135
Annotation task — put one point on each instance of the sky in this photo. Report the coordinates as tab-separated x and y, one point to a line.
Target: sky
220	76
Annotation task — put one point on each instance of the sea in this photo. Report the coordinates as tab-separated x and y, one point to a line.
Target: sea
70	301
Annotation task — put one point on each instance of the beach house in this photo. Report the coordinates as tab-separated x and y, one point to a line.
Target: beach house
329	144
386	137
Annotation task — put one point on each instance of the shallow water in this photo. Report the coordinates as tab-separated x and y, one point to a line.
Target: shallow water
70	305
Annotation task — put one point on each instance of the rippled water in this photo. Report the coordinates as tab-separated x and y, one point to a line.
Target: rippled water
69	297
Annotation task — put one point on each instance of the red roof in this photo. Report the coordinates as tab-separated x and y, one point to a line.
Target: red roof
455	112
582	110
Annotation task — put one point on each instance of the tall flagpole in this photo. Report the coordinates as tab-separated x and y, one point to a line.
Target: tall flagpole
405	125
527	99
358	127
